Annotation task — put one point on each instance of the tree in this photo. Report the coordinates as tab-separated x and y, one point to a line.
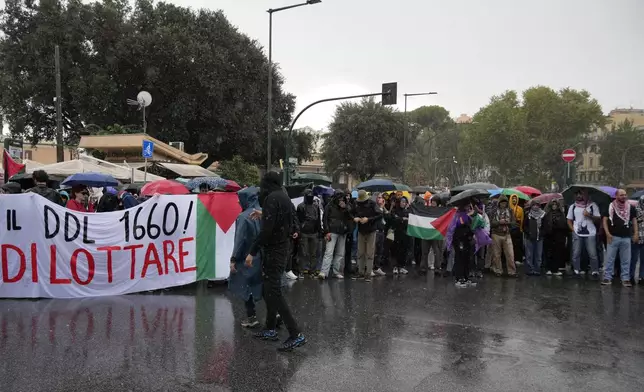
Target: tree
240	171
206	78
303	144
364	139
620	149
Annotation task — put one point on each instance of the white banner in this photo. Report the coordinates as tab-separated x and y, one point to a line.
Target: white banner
50	251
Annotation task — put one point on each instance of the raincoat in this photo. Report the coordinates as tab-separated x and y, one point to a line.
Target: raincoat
516	210
246	281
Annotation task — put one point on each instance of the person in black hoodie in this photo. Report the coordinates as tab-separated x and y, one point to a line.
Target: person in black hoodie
276	231
367	213
556	233
308	214
337	221
41	178
401	239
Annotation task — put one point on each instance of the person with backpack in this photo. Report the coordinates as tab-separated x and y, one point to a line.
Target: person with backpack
620	225
583	216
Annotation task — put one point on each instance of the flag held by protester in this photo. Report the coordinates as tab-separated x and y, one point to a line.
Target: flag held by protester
429	223
10	166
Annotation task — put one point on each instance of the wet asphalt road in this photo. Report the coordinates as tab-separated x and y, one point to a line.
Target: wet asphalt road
394	334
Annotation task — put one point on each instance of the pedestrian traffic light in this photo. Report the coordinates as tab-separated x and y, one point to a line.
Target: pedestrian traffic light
389	93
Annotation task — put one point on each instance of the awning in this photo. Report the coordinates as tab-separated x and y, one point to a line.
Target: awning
186	171
90	164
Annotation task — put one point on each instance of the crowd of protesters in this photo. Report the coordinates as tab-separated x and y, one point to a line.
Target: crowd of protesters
366	237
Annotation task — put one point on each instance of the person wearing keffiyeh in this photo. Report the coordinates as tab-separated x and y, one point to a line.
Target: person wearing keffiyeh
501	223
620	225
637	249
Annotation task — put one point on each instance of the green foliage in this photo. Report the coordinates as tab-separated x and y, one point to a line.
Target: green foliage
302	146
240	171
364	139
207	80
620	149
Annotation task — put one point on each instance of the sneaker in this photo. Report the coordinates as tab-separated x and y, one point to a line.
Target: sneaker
372	274
357	276
469	283
558	273
367	278
380	272
594	276
413	262
305	272
626	283
549	273
250	322
431	268
606	282
395	270
290	275
338	276
321	276
267	334
575	272
438	272
292	343
300	276
461	284
403	271
582	272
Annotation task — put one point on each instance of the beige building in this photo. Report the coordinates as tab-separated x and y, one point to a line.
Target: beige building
590	167
463	119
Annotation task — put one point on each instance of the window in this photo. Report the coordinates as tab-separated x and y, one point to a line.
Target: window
591	162
27	154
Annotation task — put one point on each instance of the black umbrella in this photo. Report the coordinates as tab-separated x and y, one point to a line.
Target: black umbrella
466	195
595	193
421	189
474	185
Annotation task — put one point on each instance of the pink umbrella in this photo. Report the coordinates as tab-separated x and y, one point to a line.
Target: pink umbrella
528	190
547	198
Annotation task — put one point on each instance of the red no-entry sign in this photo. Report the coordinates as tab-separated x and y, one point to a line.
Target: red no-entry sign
568	155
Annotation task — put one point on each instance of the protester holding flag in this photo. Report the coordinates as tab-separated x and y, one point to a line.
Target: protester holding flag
275	233
435	245
41	178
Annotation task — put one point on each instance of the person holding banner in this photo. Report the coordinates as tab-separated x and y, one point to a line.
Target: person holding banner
78	200
274	240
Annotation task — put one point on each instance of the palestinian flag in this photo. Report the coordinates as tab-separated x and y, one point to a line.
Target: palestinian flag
429	223
215	233
10	167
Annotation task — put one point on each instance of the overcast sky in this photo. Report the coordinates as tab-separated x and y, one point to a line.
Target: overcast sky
467	50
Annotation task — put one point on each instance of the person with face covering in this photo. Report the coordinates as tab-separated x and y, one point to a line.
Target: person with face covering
459	239
337	222
401	239
435	246
637	249
382	251
556	233
308	214
501	223
621	228
366	216
276	230
516	232
582	217
533	228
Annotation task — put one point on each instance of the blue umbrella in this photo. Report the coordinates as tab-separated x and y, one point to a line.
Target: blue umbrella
211	182
637	195
321	190
377	185
94	180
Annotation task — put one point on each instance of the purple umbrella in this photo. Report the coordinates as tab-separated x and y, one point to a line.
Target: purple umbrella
610	190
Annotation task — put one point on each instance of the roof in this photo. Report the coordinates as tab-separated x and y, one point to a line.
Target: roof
134	141
187	171
90	164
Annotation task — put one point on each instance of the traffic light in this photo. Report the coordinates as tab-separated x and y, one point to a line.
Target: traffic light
389	93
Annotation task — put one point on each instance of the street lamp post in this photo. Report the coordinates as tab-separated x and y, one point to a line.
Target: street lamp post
269	122
405	130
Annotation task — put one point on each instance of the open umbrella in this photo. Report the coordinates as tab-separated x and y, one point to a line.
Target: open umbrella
634	196
528	190
164	187
547	198
212	183
474	185
94	180
610	190
421	189
378	185
509	192
321	190
595	193
466	195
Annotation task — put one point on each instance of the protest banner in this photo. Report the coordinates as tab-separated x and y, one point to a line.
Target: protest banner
49	251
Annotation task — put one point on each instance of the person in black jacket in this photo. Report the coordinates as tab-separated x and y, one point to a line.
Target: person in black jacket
366	215
556	234
401	239
308	214
41	178
337	221
274	237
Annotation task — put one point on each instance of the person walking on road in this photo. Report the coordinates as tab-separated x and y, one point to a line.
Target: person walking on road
620	226
275	233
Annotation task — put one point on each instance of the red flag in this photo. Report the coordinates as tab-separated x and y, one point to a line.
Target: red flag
10	166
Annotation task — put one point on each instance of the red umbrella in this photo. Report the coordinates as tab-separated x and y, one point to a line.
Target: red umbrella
232	186
164	187
547	198
528	190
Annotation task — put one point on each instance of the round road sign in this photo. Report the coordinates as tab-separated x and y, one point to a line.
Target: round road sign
568	155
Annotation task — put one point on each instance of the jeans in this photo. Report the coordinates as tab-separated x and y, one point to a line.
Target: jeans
637	251
623	246
533	255
334	254
591	249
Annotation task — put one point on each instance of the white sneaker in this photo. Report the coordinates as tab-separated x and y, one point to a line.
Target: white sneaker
558	273
403	271
338	276
576	272
320	276
290	275
413	262
380	272
549	273
373	274
582	273
431	268
395	270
